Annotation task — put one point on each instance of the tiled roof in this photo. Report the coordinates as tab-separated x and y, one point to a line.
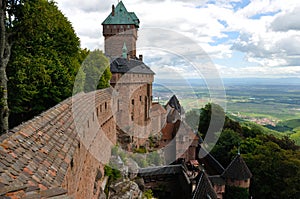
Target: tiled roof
174	103
204	188
38	152
161	170
237	169
217	180
123	65
122	16
211	165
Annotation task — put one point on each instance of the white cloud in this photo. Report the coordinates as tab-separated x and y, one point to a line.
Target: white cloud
287	21
269	41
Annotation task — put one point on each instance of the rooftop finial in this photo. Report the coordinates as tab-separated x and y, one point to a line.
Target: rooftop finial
124	51
239	152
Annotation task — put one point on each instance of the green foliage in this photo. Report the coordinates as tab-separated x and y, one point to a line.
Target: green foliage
211	111
79	82
96	68
293	123
45	58
148	194
274	160
192	118
1	96
296	137
227	142
275	171
153	158
112	173
236	193
256	129
140	150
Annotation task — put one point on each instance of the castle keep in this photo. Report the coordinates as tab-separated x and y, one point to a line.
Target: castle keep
62	152
120	27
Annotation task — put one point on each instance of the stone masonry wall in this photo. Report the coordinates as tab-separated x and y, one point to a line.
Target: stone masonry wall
61	151
114	41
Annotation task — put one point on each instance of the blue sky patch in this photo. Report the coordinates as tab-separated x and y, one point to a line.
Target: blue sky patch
258	16
239	5
229	36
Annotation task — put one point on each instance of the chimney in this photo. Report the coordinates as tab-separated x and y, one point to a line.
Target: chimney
113	10
141	57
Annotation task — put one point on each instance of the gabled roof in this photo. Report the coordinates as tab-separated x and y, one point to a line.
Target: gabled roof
35	156
122	16
204	188
237	169
174	103
123	65
212	165
161	170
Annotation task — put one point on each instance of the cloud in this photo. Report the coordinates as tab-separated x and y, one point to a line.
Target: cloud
287	21
259	72
86	6
265	31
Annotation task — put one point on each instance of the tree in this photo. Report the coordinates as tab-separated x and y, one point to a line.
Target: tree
44	60
8	11
212	118
228	141
236	193
275	171
192	118
96	68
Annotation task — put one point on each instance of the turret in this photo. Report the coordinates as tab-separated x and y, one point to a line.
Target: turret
237	173
120	27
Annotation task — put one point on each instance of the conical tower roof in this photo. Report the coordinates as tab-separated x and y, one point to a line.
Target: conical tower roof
174	103
237	169
204	188
120	16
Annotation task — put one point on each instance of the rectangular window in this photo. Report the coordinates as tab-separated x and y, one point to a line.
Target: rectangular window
132	101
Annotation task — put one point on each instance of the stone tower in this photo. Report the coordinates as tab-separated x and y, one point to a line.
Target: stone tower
131	77
237	173
120	27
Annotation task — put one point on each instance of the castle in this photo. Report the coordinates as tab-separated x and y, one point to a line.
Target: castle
62	152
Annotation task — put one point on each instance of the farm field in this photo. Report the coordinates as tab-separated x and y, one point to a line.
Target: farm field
276	106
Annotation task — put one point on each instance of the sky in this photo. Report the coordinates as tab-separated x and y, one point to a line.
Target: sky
240	38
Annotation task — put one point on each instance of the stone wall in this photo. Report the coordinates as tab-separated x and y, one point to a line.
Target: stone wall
133	101
239	183
115	36
65	147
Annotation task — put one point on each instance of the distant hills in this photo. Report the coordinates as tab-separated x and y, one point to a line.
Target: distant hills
231	81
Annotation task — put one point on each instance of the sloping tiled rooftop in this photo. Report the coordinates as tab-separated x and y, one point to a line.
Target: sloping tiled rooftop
161	170
37	154
123	65
211	165
204	188
174	103
237	169
122	16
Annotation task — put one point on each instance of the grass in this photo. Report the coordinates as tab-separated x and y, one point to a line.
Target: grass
296	137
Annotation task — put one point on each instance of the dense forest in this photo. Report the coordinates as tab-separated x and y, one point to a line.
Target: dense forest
273	160
44	59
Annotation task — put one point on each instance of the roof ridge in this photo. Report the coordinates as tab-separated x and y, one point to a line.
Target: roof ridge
120	15
237	169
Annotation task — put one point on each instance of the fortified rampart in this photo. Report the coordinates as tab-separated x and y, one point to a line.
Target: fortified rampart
60	152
